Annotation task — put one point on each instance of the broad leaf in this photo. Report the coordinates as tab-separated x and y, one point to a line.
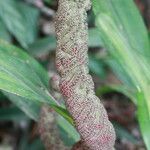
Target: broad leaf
43	46
122	133
68	133
94	38
25	83
96	66
124	34
20	20
30	108
11	114
130	93
4	34
22	76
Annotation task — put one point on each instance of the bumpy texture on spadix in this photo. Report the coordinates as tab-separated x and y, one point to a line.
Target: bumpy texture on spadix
76	84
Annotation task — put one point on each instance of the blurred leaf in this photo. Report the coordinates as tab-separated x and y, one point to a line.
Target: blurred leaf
117	88
119	11
122	133
20	20
48	1
30	108
120	72
42	46
26	144
97	66
11	114
23	142
2	96
36	145
94	38
149	35
68	133
4	34
129	51
30	15
5	147
143	118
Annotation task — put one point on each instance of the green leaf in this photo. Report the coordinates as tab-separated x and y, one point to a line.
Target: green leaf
14	78
127	24
30	108
130	93
94	38
122	133
143	118
4	34
36	144
120	72
22	76
43	46
11	114
124	34
18	53
97	66
2	96
48	1
20	20
31	16
68	133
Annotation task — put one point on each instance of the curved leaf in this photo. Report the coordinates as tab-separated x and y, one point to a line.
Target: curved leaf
124	34
25	78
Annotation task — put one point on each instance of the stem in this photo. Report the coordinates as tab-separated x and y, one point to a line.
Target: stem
76	85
